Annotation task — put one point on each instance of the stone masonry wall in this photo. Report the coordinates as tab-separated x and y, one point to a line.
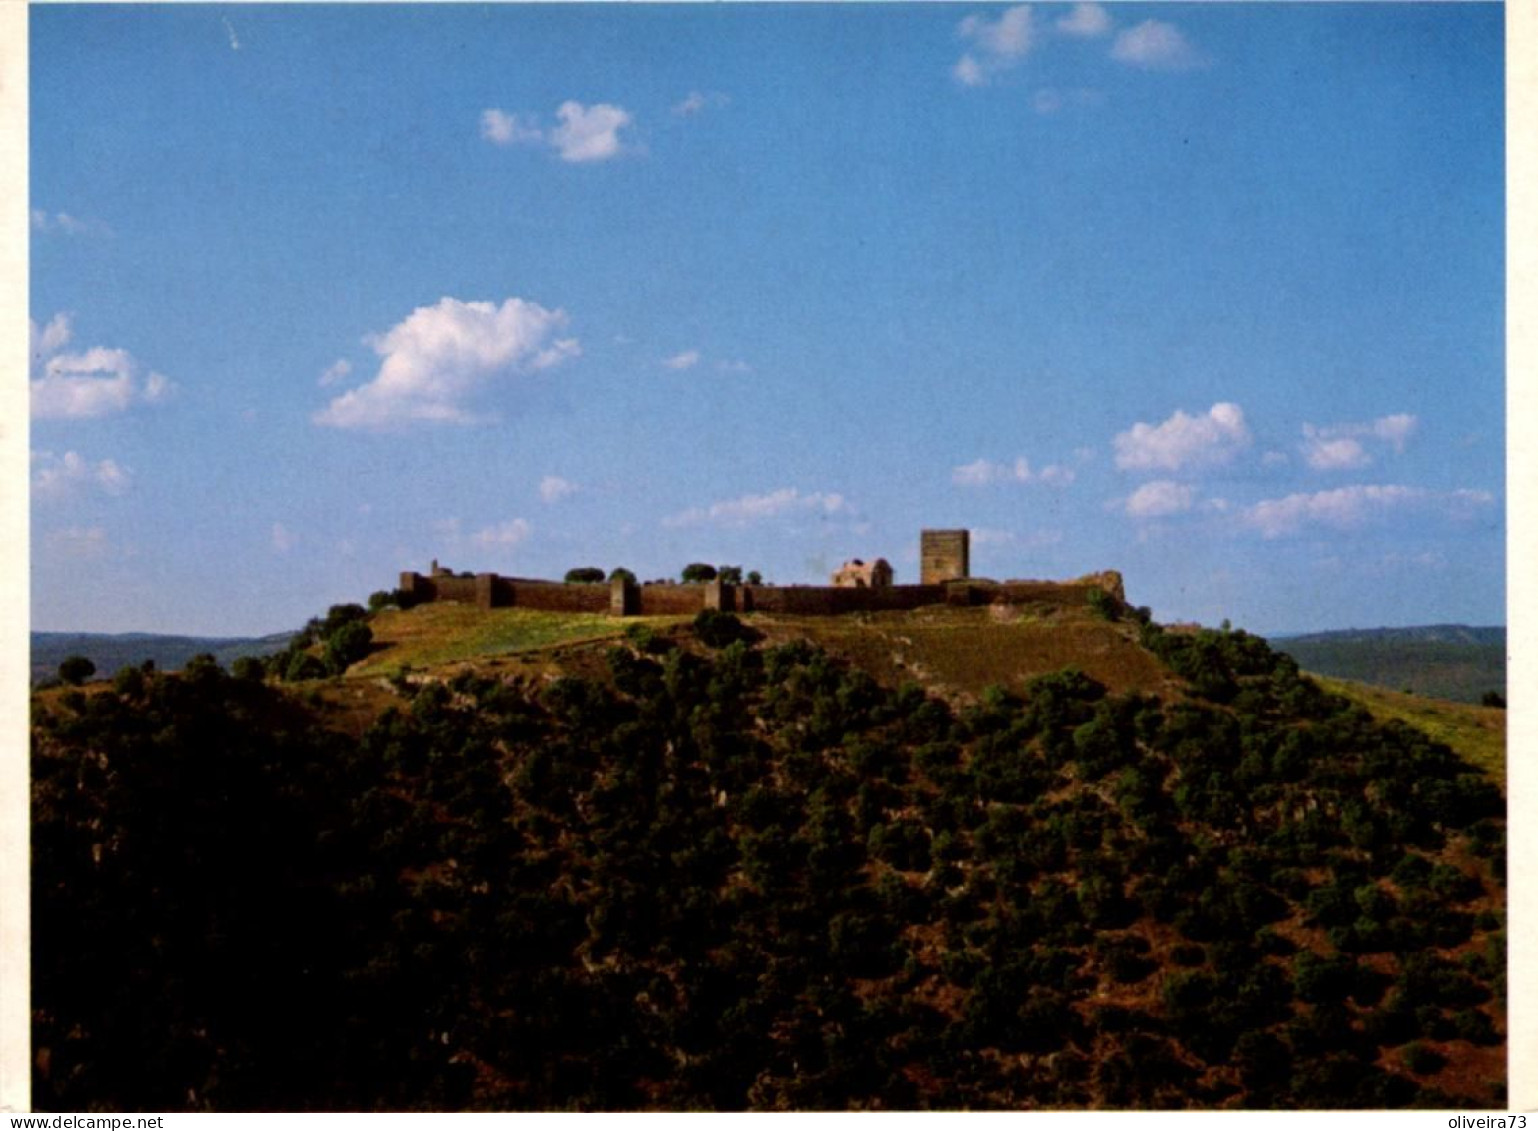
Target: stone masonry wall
944	555
493	591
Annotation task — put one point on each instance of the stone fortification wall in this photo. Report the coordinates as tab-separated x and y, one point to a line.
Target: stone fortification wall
550	596
440	588
492	591
819	600
489	590
670	600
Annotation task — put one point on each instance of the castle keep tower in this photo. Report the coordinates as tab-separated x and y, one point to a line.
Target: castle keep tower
944	555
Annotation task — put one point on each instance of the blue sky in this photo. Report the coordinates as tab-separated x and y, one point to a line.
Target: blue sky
1208	293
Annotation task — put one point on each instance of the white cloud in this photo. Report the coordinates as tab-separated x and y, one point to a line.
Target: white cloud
501	128
95	382
755	508
505	535
1339	454
585	133
1156	46
983	473
1160	499
1048	100
1395	429
1183	441
688	359
996	45
1348	507
283	539
59	476
1336	447
552	488
336	373
1085	20
698	102
1010	35
441	356
969	72
589	133
63	222
734	366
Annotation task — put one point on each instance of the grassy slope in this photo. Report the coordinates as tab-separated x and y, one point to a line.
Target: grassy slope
959	652
952	652
435	635
1478	734
1457	668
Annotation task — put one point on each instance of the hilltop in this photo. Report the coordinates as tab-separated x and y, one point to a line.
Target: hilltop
1037	856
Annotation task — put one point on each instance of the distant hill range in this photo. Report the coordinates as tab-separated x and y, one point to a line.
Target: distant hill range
1448	661
111	652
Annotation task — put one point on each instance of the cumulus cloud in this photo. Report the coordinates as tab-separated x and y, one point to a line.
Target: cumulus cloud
1339	454
1160	499
755	508
688	359
442	356
65	224
1086	20
1049	100
501	128
95	382
983	473
1337	447
1348	507
996	45
504	536
698	102
552	488
1156	46
55	477
583	133
1184	441
589	133
336	373
1395	429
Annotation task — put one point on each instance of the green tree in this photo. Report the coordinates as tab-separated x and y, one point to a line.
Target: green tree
699	571
129	682
249	667
75	670
584	575
347	645
732	575
621	572
302	666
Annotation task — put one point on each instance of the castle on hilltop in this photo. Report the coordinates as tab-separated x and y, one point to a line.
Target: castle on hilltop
944	579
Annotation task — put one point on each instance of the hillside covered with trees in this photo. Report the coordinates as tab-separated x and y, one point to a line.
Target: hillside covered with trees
703	870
